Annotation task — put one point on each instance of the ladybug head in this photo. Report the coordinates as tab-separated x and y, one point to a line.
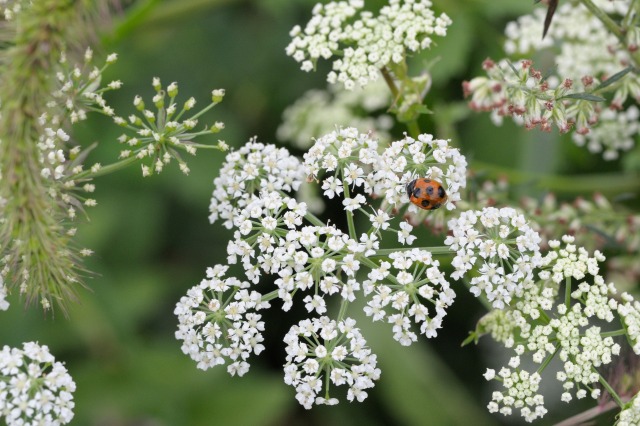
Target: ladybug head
410	187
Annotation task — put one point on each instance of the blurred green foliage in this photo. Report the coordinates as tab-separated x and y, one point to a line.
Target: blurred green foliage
152	239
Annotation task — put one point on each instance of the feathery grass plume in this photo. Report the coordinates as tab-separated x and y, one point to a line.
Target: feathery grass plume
38	255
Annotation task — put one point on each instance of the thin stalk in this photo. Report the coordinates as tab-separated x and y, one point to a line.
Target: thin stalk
609	389
388	78
343	309
350	223
432	250
548	360
614	333
567	293
105	170
414	128
269	296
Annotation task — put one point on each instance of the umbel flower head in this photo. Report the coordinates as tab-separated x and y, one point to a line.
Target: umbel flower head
322	353
538	326
346	158
501	244
159	135
218	323
35	389
247	171
409	289
364	43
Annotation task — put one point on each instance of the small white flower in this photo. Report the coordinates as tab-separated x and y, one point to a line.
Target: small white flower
309	364
37	389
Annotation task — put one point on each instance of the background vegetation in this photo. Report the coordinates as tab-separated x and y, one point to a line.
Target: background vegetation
152	239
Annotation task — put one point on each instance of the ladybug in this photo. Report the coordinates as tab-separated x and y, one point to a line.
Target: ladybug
428	194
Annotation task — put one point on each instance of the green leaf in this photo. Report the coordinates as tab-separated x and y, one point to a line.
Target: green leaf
584	96
617	76
473	337
513	68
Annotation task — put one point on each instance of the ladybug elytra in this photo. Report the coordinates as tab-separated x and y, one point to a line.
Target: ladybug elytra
428	194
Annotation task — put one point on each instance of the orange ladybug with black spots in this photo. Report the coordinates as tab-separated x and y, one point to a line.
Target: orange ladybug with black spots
428	194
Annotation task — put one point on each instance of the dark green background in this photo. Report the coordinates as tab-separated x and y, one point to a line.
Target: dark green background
152	239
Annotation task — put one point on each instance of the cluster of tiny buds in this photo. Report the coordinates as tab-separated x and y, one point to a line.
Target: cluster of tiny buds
520	91
567	331
158	135
79	88
368	44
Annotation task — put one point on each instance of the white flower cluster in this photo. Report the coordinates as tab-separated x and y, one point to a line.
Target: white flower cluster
58	166
367	44
271	238
588	53
218	322
321	351
630	415
318	111
502	245
586	47
535	325
52	156
254	167
35	389
424	157
79	87
521	391
276	235
630	313
615	132
407	292
581	353
353	160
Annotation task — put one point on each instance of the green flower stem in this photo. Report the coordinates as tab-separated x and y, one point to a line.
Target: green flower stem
432	250
105	170
313	219
548	359
203	110
351	225
614	333
388	78
567	293
629	16
269	296
344	304
414	129
371	264
609	389
202	146
483	301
